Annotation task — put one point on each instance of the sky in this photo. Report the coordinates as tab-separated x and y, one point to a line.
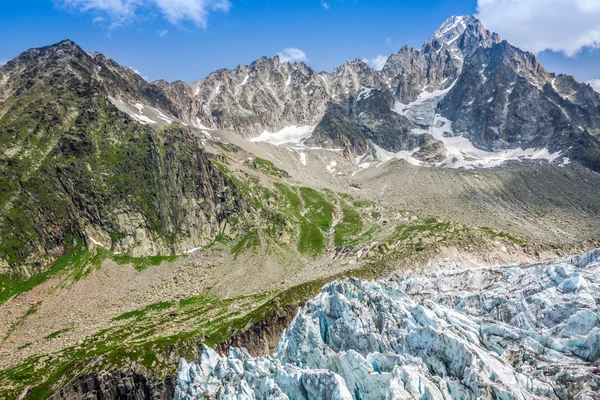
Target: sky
188	39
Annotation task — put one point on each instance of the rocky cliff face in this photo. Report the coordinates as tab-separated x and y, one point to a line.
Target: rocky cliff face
74	169
118	385
528	331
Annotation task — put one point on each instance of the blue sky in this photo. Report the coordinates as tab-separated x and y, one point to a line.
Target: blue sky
187	39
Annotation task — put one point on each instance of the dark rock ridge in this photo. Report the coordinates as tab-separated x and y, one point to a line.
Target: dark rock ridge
118	385
263	337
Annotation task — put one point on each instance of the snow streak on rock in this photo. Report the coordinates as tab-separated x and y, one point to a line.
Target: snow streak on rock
509	332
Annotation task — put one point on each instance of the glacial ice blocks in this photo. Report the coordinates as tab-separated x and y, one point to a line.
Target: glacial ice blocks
504	332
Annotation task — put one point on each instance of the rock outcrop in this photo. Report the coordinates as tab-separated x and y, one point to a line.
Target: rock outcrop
117	385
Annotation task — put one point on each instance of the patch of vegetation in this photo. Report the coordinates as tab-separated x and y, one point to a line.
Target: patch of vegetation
249	241
414	233
228	147
268	167
290	196
160	306
504	236
358	203
319	210
57	333
142	263
364	237
220	239
349	227
201	300
76	260
311	241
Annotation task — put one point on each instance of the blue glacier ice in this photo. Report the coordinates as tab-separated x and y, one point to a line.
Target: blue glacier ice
503	332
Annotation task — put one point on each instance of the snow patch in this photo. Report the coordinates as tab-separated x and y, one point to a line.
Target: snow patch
461	153
302	158
97	243
365	93
385	156
163	117
290	134
331	167
141	118
199	125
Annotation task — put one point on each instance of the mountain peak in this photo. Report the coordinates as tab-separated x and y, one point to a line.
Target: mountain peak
464	33
452	28
61	50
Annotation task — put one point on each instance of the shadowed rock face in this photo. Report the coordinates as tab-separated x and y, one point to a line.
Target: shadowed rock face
118	385
262	338
509	332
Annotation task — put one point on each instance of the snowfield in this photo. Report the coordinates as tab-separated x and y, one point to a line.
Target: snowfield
505	332
288	135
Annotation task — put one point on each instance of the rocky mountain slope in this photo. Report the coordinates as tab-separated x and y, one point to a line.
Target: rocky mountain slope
512	332
466	98
74	169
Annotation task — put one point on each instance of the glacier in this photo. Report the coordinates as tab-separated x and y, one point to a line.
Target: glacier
521	331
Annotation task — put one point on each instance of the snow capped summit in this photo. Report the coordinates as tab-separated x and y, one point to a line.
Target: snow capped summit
510	332
452	28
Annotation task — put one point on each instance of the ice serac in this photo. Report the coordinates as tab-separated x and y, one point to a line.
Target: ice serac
504	332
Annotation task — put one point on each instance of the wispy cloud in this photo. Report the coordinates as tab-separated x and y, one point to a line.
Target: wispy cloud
377	63
594	83
292	54
536	25
120	12
325	4
138	72
162	33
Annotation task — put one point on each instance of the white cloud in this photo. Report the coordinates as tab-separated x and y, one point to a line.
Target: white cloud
138	72
120	12
325	5
292	54
162	33
536	25
595	84
377	63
